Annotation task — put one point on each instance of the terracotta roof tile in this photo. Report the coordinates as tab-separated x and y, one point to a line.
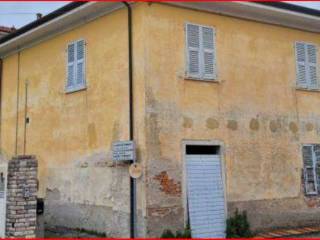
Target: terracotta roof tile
6	29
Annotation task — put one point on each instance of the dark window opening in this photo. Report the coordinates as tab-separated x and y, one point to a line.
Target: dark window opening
40	206
202	149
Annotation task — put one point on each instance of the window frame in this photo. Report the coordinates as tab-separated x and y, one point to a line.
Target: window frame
76	87
308	86
314	162
201	76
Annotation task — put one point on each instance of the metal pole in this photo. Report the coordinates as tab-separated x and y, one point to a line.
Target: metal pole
133	219
25	117
17	110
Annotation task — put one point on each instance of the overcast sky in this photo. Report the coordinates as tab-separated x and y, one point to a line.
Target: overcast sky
20	13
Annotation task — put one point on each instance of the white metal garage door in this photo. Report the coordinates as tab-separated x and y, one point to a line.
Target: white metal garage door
205	196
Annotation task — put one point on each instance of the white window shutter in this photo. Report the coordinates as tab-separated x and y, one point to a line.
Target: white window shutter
80	55
70	65
301	65
317	164
193	50
311	51
76	66
309	170
209	58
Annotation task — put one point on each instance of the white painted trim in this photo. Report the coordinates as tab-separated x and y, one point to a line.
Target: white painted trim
280	10
74	11
256	12
245	10
184	178
78	19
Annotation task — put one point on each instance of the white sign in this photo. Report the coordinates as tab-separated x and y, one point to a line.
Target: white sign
124	151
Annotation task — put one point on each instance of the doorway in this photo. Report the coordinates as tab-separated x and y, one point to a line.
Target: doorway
205	195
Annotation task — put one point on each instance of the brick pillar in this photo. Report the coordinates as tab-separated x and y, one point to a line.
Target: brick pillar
22	197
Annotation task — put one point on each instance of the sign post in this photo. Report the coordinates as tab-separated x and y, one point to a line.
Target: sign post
125	151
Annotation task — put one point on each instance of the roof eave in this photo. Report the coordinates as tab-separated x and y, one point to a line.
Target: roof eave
76	14
75	17
40	21
259	12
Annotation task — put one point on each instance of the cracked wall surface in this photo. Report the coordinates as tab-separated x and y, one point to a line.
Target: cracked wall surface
254	110
71	133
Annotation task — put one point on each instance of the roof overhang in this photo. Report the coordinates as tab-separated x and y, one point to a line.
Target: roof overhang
76	17
92	10
258	12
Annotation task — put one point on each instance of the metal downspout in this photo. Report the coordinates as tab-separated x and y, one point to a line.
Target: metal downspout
131	123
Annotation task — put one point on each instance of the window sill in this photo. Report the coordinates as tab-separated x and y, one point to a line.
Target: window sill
75	89
201	79
307	89
311	195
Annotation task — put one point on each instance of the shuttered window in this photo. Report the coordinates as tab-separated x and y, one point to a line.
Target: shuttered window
306	65
311	167
75	66
201	54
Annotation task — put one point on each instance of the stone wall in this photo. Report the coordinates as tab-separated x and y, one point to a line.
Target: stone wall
22	197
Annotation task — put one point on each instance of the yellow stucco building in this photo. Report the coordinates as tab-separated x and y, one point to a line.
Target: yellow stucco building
225	113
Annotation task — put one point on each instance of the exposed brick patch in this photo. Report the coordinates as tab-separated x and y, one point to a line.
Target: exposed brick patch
162	211
159	212
168	185
22	197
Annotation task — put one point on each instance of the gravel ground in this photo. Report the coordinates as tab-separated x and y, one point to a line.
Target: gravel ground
310	235
62	232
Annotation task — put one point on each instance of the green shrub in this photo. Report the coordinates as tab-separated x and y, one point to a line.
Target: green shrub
238	226
167	234
186	233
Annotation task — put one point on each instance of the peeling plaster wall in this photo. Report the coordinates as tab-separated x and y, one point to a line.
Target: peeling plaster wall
254	110
71	133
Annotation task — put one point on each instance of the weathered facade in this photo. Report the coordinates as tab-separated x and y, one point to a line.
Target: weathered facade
253	110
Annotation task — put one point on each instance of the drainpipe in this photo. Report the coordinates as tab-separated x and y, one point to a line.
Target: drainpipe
26	119
17	106
131	119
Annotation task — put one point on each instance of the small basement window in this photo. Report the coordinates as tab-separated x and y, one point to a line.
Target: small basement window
202	150
311	168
